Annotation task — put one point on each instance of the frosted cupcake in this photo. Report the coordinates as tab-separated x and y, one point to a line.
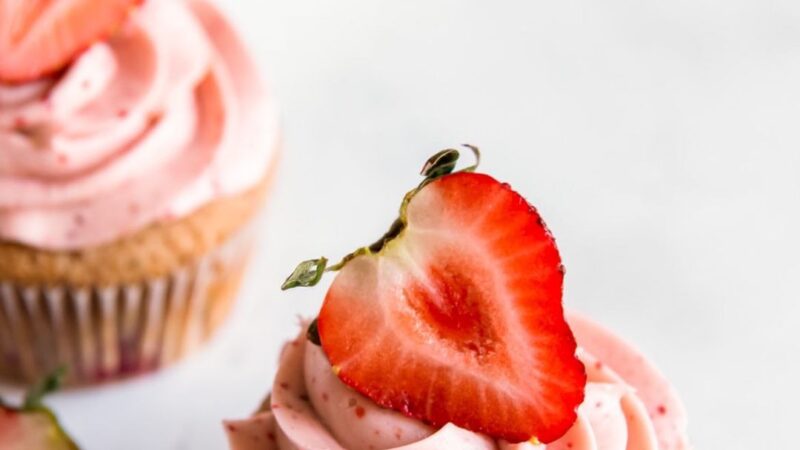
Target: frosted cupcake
129	179
449	333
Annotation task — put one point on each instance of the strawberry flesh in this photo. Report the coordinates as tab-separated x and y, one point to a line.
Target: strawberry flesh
459	318
39	37
35	429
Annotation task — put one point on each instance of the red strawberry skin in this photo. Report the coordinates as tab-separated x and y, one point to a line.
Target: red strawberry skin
459	319
39	37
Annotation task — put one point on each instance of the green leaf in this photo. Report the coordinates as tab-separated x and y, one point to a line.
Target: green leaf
440	164
308	273
50	384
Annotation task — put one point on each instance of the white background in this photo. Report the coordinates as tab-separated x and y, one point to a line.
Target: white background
658	139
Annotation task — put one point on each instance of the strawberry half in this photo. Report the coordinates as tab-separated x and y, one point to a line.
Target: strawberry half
39	37
456	315
33	425
32	429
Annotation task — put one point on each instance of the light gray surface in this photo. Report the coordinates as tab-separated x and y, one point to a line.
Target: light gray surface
658	139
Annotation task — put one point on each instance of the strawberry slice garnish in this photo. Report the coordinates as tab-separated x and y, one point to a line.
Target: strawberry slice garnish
33	425
455	315
39	37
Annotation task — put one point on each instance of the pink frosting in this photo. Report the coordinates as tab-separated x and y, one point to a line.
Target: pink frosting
629	405
163	117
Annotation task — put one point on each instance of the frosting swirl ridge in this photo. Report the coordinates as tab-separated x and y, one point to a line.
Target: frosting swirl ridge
147	126
629	405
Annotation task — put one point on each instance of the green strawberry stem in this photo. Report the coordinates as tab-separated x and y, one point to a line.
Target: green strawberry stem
308	273
34	396
48	385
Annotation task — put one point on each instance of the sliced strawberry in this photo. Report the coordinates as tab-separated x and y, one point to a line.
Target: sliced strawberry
33	425
39	37
457	316
34	429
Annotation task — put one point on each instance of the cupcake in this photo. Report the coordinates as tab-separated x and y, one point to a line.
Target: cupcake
449	333
136	145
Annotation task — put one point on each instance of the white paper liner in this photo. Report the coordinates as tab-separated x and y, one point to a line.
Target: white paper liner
101	333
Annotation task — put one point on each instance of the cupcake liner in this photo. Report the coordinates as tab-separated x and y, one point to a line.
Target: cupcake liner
111	331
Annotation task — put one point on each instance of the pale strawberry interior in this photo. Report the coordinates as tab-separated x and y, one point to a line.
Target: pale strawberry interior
30	431
454	308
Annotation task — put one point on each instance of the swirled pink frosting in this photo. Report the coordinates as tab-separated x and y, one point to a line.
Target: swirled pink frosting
147	126
629	405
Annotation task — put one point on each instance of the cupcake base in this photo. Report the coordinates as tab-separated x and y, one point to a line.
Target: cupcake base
128	306
114	330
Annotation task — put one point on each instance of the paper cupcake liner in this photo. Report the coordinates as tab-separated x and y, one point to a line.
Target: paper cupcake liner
105	332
